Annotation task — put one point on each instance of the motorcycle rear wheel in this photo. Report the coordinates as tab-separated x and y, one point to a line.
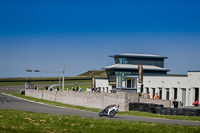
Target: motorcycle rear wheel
101	114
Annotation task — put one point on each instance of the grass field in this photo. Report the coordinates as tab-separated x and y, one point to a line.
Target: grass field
42	84
128	113
21	121
38	81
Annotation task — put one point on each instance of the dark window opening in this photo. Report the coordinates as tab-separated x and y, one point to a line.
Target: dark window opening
175	93
154	92
196	94
147	90
128	82
160	93
167	93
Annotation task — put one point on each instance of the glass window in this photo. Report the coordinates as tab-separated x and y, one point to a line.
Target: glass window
123	83
134	83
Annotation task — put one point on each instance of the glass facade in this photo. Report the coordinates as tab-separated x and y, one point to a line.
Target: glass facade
126	78
127	82
145	61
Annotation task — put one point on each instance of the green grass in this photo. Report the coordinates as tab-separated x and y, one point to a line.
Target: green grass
46	82
127	113
68	84
21	121
2	84
144	114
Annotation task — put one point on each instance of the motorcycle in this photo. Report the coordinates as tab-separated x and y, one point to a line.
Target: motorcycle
110	110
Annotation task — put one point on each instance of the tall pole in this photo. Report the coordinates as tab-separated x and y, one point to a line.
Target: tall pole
59	79
63	72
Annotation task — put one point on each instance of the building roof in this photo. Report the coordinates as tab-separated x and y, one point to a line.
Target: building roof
138	55
135	67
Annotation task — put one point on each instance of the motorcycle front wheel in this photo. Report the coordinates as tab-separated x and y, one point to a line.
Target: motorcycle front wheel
112	113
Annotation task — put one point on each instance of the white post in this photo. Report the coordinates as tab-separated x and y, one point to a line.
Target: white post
63	72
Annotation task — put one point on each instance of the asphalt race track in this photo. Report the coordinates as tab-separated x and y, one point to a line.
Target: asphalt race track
10	102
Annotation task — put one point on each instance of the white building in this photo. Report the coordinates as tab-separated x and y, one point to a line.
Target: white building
123	77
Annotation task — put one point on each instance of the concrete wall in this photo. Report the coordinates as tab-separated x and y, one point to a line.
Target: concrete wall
165	103
91	99
86	99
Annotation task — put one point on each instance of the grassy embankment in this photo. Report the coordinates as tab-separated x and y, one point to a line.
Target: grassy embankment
21	121
128	113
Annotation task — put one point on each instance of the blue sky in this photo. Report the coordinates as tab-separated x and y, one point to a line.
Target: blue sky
45	34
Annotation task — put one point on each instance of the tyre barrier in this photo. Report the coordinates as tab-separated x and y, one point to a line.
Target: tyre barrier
159	109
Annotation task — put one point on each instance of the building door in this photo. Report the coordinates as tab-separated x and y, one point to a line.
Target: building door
147	90
196	94
184	97
160	93
175	93
167	93
154	92
128	82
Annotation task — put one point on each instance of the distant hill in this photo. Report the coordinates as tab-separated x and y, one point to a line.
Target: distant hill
95	73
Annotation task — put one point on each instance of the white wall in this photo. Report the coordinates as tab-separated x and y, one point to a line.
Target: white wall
103	83
189	83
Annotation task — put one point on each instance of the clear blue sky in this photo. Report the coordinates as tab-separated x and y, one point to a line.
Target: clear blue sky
45	34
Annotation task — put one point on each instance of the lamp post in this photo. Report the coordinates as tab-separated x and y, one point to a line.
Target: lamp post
63	72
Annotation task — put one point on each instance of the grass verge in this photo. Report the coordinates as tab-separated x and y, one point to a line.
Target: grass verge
21	121
127	113
7	83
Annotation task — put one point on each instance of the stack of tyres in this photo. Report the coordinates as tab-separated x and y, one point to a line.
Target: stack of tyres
162	111
193	112
180	111
141	107
186	112
130	106
198	112
173	111
135	106
190	112
145	108
158	105
157	110
150	108
167	111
